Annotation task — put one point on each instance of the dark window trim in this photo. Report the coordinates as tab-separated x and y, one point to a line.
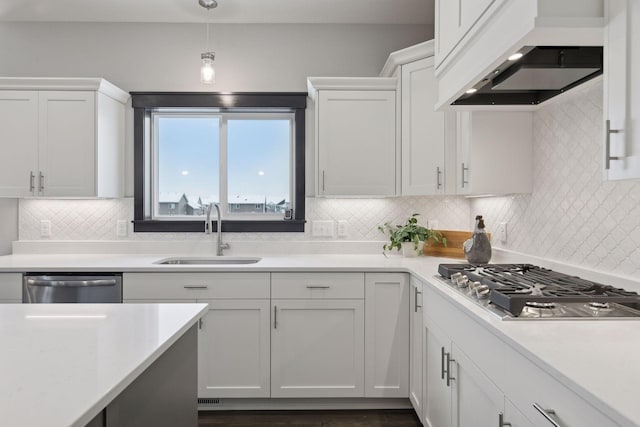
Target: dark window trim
144	102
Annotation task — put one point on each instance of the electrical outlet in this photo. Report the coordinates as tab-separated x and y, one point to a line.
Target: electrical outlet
502	232
343	228
322	228
45	228
121	228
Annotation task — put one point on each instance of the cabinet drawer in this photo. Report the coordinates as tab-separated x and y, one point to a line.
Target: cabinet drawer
317	285
528	385
195	285
11	286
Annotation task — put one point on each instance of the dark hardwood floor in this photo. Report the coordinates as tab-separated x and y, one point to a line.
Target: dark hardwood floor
368	418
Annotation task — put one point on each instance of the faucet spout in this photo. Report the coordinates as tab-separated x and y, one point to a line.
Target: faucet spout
207	222
219	245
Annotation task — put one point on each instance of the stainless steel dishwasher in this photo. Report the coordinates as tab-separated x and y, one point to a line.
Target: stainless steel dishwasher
72	287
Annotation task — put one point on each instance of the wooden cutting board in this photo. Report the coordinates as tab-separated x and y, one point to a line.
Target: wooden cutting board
455	239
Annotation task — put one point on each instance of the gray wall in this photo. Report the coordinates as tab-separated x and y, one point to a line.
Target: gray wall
156	57
166	57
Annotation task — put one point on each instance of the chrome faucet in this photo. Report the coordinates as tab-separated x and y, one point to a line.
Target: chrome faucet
207	229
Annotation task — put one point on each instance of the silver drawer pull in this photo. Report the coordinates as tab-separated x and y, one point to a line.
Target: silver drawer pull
318	287
196	287
548	414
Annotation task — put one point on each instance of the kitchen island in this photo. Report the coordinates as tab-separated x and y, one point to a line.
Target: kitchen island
97	364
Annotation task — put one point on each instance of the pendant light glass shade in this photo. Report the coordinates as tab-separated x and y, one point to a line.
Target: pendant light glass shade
207	70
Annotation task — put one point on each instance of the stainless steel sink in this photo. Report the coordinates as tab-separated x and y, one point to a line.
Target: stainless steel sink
221	260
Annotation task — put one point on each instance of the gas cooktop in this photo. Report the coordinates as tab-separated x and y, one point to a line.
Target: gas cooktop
525	291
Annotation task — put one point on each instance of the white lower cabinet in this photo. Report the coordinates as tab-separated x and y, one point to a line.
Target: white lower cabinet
457	392
234	349
416	347
10	288
387	335
317	348
233	337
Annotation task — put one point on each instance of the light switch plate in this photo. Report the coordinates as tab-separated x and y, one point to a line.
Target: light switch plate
502	232
121	228
45	228
343	228
322	228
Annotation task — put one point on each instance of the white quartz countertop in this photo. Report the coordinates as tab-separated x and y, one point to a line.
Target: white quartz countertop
599	360
61	364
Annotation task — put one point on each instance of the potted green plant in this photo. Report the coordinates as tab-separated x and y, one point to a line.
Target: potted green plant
410	236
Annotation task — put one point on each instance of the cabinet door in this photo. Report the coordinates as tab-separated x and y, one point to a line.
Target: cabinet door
18	142
233	349
495	152
387	335
621	90
513	416
447	28
477	401
67	137
416	344
423	131
356	138
437	394
317	348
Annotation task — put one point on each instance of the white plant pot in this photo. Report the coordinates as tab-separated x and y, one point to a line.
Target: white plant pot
409	251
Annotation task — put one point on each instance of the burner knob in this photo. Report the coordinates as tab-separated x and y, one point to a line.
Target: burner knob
482	291
474	285
454	278
462	282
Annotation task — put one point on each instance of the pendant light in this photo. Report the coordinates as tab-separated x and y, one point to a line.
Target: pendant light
207	70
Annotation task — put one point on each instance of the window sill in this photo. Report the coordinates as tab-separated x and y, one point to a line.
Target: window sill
167	226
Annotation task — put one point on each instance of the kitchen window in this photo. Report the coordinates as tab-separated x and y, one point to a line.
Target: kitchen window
243	151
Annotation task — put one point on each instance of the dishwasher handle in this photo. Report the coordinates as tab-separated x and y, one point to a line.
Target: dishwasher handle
72	283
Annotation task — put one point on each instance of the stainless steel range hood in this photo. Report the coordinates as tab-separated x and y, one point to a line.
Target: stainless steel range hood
541	73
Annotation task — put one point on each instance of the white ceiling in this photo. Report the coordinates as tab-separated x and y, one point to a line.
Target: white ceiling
228	11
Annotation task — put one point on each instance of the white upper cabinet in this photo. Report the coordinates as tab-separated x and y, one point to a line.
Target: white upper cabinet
474	37
494	152
62	137
424	132
19	142
355	133
622	91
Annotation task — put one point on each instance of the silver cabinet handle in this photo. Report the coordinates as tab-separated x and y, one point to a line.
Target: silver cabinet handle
41	183
463	174
32	183
323	181
442	371
275	317
438	174
448	363
196	287
502	422
318	287
607	144
200	323
548	414
415	297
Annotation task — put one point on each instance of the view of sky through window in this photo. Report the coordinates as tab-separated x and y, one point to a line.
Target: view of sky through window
258	164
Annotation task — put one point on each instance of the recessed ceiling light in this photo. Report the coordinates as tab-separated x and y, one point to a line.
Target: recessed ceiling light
515	56
261	173
184	173
472	90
